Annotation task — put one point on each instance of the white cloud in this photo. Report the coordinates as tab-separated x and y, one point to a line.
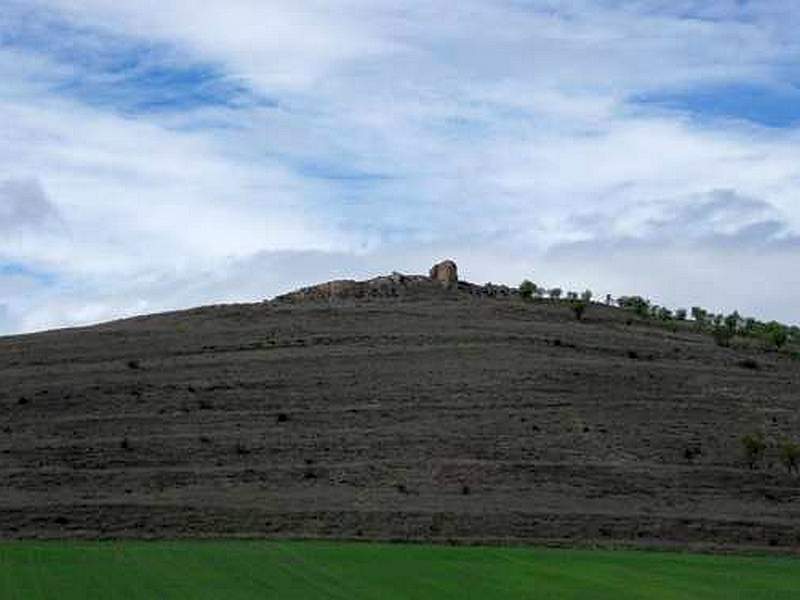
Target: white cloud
502	131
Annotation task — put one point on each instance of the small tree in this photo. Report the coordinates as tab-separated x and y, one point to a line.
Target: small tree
664	313
681	314
635	303
700	316
609	300
555	293
790	455
732	322
578	308
572	296
527	289
587	296
754	447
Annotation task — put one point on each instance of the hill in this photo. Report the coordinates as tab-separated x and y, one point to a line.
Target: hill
403	408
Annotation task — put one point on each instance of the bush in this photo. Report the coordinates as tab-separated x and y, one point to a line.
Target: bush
754	448
555	293
790	455
587	296
723	336
578	308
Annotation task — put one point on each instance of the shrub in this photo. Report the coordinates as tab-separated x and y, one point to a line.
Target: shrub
790	455
749	363
754	448
587	296
723	336
681	314
691	452
578	308
555	293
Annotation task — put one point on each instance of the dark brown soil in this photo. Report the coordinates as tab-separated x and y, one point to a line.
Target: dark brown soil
441	416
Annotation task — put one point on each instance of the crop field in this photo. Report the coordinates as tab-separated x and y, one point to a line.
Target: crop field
352	571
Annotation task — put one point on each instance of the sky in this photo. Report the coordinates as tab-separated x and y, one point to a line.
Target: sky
162	155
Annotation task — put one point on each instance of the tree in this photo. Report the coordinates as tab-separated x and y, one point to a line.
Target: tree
527	289
635	303
790	455
699	315
578	308
609	300
586	296
572	296
681	314
754	448
732	322
555	293
750	325
664	313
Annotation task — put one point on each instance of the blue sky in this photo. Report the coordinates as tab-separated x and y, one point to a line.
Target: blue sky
162	155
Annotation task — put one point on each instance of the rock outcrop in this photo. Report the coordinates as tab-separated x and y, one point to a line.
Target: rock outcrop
442	280
445	272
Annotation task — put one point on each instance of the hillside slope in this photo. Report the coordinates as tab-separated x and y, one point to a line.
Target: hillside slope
441	415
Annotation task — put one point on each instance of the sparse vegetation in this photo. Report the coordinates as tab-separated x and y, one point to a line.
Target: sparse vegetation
749	363
754	447
790	455
578	309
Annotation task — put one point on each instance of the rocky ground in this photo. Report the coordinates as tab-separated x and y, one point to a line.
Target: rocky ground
434	413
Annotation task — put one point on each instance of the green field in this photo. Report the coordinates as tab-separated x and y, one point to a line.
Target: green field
308	570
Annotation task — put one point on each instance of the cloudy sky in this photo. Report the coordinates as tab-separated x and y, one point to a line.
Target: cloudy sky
165	154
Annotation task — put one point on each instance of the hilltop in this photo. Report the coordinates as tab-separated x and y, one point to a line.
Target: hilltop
405	407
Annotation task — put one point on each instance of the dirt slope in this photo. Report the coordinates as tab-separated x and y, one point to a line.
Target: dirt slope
439	415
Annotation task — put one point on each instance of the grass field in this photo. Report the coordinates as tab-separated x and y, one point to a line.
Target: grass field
308	570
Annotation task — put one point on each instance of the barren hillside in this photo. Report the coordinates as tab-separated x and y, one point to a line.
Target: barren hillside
439	413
